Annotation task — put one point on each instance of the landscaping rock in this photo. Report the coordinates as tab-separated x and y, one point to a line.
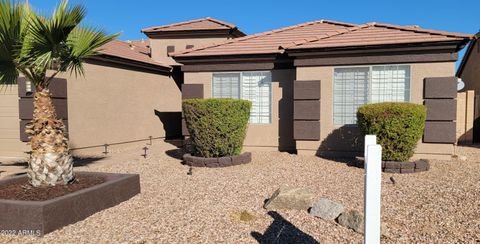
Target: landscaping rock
352	219
290	198
326	209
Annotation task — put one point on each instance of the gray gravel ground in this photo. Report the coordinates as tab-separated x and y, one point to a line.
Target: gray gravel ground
438	206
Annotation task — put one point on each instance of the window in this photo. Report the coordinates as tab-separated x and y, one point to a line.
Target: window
170	49
356	86
254	86
189	46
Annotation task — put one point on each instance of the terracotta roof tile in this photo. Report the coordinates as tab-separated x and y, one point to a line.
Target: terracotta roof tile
270	41
381	34
142	46
128	51
320	34
198	24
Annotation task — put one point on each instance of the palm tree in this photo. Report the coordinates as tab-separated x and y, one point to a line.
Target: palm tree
39	48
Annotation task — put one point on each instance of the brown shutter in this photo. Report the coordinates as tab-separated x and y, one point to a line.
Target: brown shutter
58	88
440	100
306	110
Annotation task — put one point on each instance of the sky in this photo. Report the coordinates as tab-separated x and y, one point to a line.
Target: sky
128	17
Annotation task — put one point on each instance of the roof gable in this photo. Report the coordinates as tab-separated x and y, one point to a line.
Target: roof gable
193	25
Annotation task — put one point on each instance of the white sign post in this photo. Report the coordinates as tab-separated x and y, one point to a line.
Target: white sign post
373	180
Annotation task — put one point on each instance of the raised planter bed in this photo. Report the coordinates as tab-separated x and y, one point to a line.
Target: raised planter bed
19	217
217	162
420	165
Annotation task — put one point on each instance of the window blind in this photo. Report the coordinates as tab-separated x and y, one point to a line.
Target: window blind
356	86
226	85
254	86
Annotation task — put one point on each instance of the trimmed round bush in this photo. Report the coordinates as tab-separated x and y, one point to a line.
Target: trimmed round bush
398	127
217	126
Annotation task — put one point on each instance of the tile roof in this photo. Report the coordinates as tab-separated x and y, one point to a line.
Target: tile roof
320	34
268	42
142	45
128	51
378	34
198	24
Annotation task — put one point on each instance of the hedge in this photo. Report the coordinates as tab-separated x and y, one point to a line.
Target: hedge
217	126
398	127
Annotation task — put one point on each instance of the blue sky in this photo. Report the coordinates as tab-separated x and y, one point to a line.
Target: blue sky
251	17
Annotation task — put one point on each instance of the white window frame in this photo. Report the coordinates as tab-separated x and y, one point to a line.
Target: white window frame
369	92
240	90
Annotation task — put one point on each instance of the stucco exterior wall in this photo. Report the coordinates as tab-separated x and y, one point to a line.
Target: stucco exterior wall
109	105
10	144
159	46
275	136
471	70
112	105
341	140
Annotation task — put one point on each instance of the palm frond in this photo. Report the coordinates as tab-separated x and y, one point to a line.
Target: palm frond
47	36
84	42
11	37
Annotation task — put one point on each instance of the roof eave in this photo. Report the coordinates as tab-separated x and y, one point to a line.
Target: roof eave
132	63
456	45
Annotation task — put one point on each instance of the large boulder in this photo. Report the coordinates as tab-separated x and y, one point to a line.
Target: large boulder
290	198
326	209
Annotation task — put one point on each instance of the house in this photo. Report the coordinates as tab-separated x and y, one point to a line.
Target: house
306	82
130	94
469	72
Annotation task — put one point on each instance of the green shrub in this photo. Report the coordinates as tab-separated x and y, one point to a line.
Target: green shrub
398	127
217	126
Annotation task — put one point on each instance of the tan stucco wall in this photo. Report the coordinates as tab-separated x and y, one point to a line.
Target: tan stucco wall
341	140
112	105
109	105
275	136
10	144
471	70
159	46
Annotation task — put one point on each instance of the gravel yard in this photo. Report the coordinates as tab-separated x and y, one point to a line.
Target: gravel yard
441	205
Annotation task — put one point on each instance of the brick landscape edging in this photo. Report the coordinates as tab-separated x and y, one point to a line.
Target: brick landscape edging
217	162
41	217
420	165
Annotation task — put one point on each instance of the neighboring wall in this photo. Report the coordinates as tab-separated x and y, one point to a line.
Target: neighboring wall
471	69
334	140
159	46
113	104
10	144
275	136
471	76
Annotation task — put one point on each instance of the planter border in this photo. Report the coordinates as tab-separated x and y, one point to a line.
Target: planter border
195	161
397	167
42	217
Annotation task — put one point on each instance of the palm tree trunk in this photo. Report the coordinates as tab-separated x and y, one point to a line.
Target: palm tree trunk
51	162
